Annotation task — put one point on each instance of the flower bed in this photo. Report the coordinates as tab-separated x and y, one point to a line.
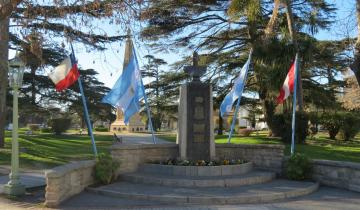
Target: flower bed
178	162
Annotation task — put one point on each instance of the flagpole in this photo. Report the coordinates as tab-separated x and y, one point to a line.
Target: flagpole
146	104
238	101
148	113
294	107
87	118
234	119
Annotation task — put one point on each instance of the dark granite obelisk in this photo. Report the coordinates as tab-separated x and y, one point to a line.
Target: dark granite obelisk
195	124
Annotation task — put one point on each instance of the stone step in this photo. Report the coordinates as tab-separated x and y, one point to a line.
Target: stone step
260	193
255	177
175	170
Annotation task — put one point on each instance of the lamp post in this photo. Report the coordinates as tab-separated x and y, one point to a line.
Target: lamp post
16	72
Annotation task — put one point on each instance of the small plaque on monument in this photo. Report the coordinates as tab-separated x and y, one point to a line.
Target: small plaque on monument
195	130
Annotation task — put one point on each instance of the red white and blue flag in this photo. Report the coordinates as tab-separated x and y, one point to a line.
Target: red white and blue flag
65	74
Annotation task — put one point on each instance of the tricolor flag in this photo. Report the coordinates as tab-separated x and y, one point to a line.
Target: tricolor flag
65	74
288	86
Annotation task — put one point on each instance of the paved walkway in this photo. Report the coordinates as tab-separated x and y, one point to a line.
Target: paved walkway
140	138
325	198
30	180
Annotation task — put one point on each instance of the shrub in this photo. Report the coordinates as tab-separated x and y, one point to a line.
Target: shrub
298	167
350	125
331	122
101	129
45	130
301	127
105	168
34	127
59	125
277	125
245	131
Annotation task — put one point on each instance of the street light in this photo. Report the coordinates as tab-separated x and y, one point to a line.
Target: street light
16	73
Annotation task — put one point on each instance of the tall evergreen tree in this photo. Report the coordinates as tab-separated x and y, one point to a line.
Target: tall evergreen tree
39	23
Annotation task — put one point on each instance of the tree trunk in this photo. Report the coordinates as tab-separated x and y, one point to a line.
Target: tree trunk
355	67
292	32
33	85
220	130
4	42
269	30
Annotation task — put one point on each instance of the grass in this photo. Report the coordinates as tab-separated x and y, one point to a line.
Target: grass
321	147
44	150
41	150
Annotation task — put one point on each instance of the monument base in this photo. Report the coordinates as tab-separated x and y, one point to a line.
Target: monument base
196	127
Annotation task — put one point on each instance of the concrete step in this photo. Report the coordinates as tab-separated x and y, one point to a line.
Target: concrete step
260	193
175	170
255	177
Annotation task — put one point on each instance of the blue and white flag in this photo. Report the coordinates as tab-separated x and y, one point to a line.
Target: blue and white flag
236	90
128	89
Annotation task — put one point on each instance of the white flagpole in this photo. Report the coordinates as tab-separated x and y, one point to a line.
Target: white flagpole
146	102
87	118
234	119
238	101
294	106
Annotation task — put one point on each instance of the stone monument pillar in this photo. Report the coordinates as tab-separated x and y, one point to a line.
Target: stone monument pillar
195	124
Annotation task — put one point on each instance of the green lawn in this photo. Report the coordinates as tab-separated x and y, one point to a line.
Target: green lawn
318	148
47	150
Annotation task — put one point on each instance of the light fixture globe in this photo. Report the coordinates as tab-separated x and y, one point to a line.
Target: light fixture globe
16	72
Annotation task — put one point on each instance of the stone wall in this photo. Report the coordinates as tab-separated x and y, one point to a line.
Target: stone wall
67	180
131	156
340	174
264	156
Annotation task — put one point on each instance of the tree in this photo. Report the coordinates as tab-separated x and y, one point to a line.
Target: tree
6	8
225	32
155	88
356	64
351	97
76	20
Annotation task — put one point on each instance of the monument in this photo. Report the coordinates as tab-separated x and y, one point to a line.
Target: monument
195	125
135	124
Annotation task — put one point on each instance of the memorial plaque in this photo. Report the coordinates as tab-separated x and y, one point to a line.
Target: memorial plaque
199	112
199	128
198	139
195	129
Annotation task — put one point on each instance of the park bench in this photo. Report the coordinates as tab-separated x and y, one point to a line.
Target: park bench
118	139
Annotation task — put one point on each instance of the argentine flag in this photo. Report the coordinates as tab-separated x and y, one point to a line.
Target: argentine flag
128	89
236	90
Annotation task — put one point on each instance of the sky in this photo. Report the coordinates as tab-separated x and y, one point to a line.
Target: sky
108	63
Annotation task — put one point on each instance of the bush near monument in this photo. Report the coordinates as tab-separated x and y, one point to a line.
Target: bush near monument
332	123
105	168
33	127
101	129
282	126
45	130
59	125
298	167
350	125
245	132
